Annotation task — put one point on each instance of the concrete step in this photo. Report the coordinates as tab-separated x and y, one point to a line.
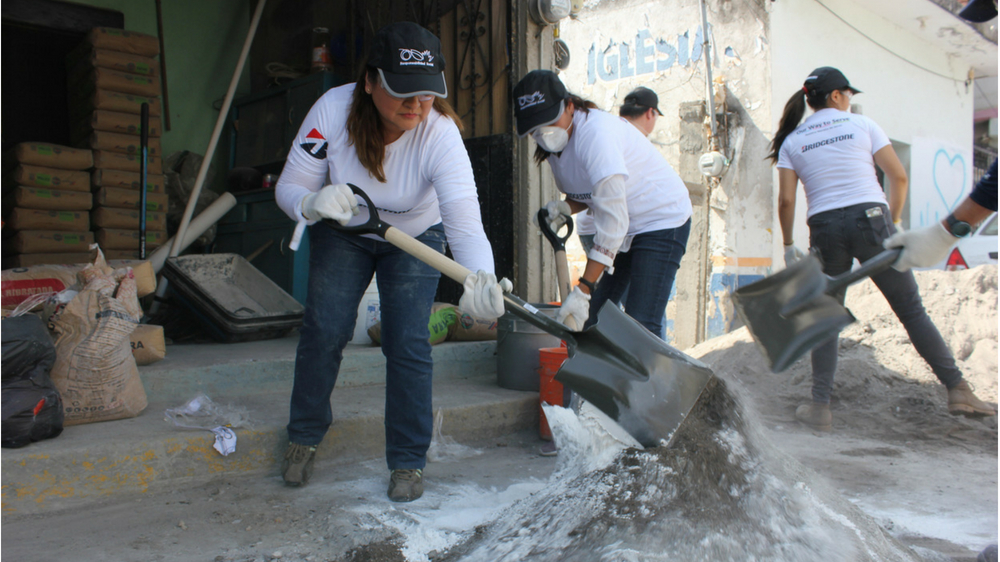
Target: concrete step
146	454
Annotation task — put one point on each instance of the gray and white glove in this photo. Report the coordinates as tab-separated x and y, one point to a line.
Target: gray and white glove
483	295
335	202
921	248
792	254
574	310
559	213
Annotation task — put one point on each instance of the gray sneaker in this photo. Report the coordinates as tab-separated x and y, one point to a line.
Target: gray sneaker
406	484
297	466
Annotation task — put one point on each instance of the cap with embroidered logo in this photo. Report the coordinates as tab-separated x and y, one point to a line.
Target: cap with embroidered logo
539	100
643	97
826	79
409	60
979	11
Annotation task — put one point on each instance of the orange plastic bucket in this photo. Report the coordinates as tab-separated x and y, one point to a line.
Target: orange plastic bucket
549	390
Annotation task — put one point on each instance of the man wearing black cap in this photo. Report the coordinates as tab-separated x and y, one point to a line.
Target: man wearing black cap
393	134
641	107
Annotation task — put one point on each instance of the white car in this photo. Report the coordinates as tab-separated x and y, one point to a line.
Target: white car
976	250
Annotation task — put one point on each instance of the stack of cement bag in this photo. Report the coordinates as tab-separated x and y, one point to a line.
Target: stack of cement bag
49	222
110	75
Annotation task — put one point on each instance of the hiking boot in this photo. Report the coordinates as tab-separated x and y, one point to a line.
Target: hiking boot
816	415
297	466
406	484
962	402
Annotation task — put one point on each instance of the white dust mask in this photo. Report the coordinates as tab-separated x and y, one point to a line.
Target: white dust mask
551	138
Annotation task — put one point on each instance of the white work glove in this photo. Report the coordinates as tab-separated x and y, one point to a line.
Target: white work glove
335	202
921	248
559	213
574	310
792	254
483	295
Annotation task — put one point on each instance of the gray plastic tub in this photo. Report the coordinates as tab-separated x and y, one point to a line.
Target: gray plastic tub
518	343
238	302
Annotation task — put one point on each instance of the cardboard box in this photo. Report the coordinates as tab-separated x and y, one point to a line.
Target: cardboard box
38	219
129	162
52	242
52	199
148	344
120	239
50	155
112	217
130	199
124	41
38	176
124	144
117	122
28	260
155	183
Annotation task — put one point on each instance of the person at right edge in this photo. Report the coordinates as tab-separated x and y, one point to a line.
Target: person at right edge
834	154
927	246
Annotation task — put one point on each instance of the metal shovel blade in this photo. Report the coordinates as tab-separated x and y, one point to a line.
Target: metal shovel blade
634	377
783	339
793	311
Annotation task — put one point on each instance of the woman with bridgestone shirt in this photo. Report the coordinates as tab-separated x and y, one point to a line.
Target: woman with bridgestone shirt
640	206
834	154
392	134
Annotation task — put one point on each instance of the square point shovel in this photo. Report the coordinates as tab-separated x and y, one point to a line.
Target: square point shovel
617	365
793	310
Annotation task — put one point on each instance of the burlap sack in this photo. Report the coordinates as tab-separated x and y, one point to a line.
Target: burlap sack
95	372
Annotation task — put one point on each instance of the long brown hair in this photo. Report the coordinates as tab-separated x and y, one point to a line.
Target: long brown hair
364	124
795	108
579	104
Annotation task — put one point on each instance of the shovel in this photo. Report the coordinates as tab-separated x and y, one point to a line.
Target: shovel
617	365
793	310
559	245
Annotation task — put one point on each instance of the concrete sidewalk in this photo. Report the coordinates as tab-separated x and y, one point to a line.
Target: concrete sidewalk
124	458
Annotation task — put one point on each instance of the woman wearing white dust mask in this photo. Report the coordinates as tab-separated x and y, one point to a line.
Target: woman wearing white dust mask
640	206
834	154
392	134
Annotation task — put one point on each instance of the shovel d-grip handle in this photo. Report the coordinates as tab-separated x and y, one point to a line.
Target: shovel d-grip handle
558	242
447	266
559	245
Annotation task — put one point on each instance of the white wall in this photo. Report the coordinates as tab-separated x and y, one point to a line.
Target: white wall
662	43
929	109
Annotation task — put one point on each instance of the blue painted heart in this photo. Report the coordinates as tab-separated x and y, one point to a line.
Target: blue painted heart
949	178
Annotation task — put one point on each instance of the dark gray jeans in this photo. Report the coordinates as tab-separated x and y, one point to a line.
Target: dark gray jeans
841	235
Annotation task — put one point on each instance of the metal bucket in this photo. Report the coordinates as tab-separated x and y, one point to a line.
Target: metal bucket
518	343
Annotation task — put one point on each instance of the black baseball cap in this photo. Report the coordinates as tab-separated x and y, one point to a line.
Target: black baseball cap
409	60
826	79
539	100
644	97
978	11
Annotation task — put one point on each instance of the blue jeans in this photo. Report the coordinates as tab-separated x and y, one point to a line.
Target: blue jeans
340	269
647	271
841	235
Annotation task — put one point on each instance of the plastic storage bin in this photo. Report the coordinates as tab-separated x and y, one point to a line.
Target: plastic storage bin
236	301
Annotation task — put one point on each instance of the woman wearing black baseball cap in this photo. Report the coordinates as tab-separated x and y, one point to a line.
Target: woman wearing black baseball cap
607	167
834	154
393	134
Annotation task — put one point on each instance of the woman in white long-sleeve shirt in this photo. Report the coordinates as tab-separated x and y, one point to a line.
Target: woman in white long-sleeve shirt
640	206
393	135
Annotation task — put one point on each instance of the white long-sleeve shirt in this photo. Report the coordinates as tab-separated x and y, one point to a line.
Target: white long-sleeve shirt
629	187
428	177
